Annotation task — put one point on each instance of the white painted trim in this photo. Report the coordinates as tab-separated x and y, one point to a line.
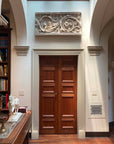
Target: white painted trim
21	50
3	21
80	88
81	134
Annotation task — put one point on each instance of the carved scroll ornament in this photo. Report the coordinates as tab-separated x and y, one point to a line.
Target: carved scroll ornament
58	23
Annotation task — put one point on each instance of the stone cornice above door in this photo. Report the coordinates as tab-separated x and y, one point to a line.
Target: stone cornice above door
58	51
64	23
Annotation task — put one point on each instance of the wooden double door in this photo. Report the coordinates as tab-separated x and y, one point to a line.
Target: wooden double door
58	94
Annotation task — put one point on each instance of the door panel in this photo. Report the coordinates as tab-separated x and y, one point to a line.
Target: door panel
48	94
58	103
68	94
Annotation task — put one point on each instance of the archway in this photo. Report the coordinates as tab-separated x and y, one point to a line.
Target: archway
111	82
20	20
106	40
102	14
102	26
19	12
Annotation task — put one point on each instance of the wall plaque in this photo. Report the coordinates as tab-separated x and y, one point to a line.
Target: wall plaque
58	23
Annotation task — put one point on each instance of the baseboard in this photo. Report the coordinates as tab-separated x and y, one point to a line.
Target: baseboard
34	134
97	134
81	134
111	123
30	135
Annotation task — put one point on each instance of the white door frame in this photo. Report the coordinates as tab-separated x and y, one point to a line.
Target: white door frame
80	87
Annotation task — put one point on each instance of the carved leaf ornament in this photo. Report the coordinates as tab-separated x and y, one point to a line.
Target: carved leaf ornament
58	24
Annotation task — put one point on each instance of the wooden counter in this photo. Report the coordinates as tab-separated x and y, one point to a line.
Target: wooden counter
20	133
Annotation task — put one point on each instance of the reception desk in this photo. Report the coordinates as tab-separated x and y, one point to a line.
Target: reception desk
20	134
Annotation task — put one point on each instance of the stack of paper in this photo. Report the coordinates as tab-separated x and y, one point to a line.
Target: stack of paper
15	117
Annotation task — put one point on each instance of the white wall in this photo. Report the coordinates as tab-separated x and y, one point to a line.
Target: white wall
97	67
92	6
97	91
96	72
0	5
99	80
58	42
111	77
20	65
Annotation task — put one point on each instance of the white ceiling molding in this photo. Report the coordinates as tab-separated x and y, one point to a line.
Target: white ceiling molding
21	50
64	23
3	21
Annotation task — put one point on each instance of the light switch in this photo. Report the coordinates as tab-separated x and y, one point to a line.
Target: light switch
21	93
94	94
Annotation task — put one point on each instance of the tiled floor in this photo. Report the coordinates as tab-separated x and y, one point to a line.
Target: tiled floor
70	139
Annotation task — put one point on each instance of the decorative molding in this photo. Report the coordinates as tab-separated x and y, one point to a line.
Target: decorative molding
95	50
58	23
58	52
3	21
58	0
21	50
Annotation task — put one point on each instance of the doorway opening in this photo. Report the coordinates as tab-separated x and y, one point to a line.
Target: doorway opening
58	94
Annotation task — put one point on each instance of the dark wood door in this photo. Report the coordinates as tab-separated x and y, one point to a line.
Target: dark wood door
58	94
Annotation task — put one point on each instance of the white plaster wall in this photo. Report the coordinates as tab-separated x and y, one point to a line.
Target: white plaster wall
97	19
96	74
97	67
98	79
97	86
92	6
20	66
111	77
19	9
97	91
58	42
0	5
108	14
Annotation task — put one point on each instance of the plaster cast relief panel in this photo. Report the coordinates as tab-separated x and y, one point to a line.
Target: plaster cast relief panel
58	23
